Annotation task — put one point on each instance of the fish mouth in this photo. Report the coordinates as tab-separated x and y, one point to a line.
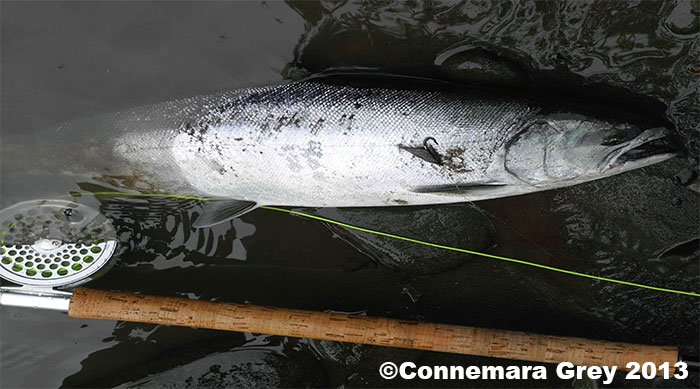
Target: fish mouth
651	146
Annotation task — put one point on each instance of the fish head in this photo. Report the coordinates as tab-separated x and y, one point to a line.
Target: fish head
566	149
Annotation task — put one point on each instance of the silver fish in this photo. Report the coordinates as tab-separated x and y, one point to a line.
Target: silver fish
316	143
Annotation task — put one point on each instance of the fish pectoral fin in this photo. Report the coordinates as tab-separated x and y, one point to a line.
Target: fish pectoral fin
218	211
458	188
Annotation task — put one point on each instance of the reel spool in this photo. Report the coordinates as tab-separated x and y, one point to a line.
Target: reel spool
54	243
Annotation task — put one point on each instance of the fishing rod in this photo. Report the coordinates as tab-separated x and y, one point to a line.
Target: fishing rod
48	246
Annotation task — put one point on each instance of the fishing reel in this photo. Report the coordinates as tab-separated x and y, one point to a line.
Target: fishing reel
47	244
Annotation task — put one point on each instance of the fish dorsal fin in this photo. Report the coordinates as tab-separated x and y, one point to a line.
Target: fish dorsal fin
217	211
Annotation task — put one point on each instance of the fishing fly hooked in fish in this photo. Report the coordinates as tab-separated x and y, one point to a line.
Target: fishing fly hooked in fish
316	143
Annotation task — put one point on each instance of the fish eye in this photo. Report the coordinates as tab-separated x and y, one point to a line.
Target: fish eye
614	137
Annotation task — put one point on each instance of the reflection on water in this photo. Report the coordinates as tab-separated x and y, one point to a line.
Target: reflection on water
462	225
64	61
241	367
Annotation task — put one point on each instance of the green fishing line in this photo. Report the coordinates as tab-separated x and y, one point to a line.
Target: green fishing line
439	246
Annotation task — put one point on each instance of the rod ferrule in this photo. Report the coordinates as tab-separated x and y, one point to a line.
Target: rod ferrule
55	302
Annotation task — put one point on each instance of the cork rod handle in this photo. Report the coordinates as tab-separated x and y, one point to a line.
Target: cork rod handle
98	304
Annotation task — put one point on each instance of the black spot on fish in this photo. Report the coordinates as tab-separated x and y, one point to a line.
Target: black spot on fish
316	127
269	118
357	105
347	121
195	130
225	107
454	159
399	201
188	129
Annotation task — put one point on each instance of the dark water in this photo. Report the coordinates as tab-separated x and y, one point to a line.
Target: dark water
63	61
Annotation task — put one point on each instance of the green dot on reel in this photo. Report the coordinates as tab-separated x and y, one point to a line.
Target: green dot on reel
62	272
17	267
46	273
31	272
95	249
76	266
88	258
7	260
